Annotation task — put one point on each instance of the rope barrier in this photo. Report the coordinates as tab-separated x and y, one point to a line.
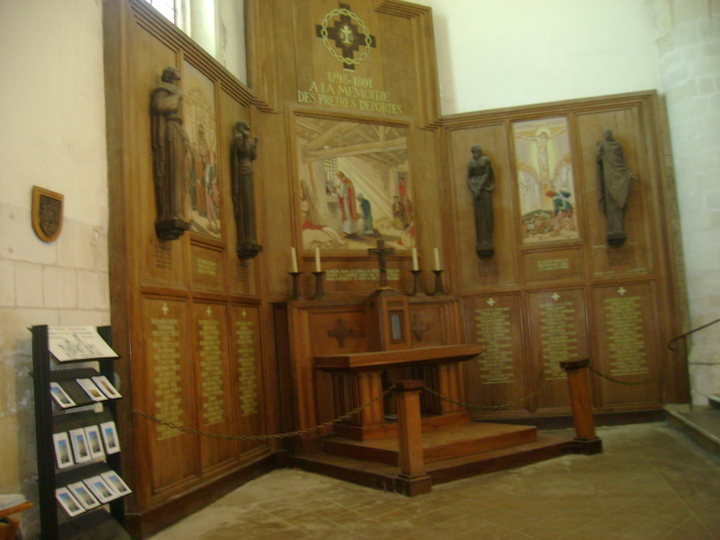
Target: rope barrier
428	390
329	423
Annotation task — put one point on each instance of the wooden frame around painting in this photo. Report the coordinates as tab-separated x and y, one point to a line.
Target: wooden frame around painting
352	184
545	181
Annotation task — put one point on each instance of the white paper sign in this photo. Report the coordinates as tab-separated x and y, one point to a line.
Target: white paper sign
78	343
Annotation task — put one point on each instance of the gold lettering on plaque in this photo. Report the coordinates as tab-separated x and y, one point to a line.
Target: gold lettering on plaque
559	337
360	274
163	257
492	330
211	375
247	367
626	346
349	92
166	358
206	267
553	264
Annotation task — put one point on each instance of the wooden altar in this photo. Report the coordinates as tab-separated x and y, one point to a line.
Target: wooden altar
358	379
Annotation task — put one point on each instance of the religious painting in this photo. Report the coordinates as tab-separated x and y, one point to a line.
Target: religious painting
545	180
354	184
199	117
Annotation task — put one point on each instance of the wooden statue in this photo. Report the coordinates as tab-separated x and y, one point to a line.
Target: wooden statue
242	154
169	149
481	181
614	180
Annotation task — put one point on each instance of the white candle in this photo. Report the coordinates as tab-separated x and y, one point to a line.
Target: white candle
437	259
293	260
317	259
415	260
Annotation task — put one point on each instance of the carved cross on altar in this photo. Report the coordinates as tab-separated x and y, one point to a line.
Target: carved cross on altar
340	332
381	251
419	327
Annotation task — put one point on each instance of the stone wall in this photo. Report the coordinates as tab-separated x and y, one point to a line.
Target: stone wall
688	37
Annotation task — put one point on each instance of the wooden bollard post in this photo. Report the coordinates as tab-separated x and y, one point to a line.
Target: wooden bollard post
585	438
412	478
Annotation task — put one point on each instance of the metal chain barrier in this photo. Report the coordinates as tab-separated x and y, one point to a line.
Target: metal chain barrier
663	371
274	435
486	407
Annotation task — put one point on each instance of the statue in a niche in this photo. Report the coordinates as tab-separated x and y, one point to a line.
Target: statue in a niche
481	181
614	181
169	150
243	152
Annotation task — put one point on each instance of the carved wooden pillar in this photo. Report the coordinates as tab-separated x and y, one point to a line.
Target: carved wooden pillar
579	388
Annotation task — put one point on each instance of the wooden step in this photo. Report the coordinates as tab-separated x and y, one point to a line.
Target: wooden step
449	443
386	477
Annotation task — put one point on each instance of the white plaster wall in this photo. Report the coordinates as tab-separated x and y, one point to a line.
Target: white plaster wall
52	113
688	33
504	53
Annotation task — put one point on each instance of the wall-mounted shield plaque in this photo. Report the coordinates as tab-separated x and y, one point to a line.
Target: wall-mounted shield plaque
47	213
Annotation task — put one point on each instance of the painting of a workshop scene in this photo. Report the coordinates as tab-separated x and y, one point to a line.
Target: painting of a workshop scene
354	185
545	180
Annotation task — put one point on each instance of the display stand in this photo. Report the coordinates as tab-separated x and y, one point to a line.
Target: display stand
55	522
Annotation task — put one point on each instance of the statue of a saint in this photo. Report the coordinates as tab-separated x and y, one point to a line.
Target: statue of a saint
481	181
242	154
169	149
614	181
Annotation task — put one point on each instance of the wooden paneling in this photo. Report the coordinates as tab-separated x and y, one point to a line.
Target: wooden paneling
582	271
498	376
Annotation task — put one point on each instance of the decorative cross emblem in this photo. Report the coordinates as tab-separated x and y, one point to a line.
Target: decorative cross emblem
340	332
382	252
244	313
419	327
490	302
165	309
208	311
622	291
347	32
555	297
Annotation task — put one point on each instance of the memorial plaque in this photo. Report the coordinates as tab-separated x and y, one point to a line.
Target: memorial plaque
163	261
559	333
496	377
247	381
214	384
208	270
629	345
168	391
542	266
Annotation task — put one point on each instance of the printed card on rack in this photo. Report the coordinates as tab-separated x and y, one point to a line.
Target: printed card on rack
83	494
80	446
60	396
91	390
110	437
101	489
117	483
106	386
67	343
71	506
63	451
94	441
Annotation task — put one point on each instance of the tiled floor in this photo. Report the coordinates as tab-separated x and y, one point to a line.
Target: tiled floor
651	483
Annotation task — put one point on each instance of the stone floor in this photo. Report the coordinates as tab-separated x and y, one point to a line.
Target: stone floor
651	483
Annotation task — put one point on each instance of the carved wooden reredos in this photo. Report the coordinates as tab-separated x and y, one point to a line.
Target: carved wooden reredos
343	99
